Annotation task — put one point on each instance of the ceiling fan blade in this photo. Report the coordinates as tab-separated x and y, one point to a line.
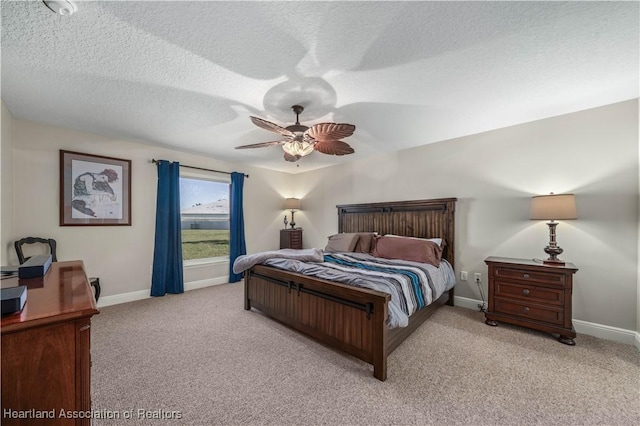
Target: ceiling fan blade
289	157
330	131
333	147
272	127
261	145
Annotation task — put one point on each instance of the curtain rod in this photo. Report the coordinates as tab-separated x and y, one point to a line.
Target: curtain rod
153	160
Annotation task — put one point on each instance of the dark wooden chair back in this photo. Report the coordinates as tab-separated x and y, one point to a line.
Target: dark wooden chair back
35	240
94	281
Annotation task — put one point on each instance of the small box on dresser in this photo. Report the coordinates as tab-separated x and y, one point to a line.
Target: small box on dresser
291	238
531	294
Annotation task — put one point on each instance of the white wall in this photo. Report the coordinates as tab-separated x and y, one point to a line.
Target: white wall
592	153
120	255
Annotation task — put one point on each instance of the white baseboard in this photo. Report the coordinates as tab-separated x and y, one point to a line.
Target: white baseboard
193	285
616	334
605	331
465	302
145	294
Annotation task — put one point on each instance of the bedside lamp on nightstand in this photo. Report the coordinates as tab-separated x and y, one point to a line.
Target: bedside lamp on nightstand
292	204
553	207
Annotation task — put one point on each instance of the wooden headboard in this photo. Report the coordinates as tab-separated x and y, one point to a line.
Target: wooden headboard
416	218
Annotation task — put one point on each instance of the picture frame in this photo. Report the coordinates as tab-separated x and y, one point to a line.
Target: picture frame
94	190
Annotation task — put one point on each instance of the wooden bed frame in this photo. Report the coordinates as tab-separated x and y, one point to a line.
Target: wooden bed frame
348	318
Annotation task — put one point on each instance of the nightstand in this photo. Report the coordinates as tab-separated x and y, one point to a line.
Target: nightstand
291	238
531	294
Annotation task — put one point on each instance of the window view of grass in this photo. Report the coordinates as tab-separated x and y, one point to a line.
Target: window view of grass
204	214
204	243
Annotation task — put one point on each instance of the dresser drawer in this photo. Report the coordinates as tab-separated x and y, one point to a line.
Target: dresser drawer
549	314
531	293
523	275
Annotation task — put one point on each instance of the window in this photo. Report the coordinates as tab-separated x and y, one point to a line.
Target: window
204	210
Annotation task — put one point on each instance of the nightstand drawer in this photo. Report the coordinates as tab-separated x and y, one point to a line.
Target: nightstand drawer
291	238
524	310
523	275
531	293
295	237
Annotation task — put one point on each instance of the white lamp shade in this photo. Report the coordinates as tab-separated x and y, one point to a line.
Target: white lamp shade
292	204
554	207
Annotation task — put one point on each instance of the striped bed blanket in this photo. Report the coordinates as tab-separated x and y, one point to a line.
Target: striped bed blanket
411	285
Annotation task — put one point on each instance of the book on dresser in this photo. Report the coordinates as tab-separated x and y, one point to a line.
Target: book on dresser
531	294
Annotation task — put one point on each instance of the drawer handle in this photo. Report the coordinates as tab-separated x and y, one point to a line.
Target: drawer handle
526	310
526	275
525	291
86	327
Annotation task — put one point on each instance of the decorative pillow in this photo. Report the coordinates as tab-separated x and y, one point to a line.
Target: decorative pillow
364	242
405	248
344	242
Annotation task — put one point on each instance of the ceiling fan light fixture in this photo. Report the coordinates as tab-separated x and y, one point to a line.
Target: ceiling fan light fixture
297	149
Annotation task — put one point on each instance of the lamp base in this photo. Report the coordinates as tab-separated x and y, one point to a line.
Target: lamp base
553	251
293	223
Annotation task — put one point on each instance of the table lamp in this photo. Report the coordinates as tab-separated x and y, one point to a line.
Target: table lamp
553	207
292	204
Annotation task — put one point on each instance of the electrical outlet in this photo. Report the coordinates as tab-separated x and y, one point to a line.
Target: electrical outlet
477	276
463	275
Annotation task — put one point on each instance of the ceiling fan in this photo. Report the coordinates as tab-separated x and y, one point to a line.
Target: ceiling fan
299	140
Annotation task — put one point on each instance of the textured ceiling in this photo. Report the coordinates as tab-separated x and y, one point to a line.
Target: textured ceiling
188	75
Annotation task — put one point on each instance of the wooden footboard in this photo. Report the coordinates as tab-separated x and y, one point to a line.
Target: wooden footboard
347	318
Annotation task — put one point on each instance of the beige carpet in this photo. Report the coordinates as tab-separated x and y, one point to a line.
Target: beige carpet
202	355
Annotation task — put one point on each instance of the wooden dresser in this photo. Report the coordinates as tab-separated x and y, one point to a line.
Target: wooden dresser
291	238
45	349
531	294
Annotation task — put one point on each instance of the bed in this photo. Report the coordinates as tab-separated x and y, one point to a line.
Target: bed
353	319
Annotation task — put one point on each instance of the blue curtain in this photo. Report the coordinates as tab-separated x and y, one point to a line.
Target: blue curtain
237	245
167	253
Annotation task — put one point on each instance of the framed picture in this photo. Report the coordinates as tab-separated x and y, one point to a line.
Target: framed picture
94	190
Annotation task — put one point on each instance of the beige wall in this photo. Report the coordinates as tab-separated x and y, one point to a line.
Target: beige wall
593	154
6	182
120	255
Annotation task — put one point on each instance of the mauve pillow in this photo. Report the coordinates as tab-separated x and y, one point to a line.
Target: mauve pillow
438	241
344	242
412	249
